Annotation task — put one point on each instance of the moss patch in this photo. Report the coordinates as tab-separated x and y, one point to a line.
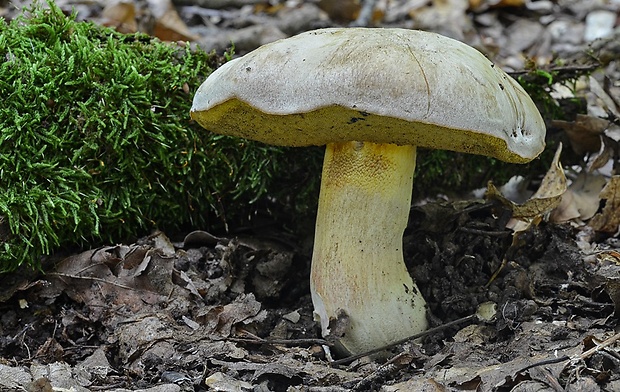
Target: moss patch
97	145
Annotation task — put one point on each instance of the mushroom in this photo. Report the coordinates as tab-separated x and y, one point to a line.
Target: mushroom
372	96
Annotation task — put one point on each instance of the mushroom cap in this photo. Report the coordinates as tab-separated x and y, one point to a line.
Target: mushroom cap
377	85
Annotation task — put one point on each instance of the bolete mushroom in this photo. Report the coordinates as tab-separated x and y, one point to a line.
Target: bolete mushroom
371	96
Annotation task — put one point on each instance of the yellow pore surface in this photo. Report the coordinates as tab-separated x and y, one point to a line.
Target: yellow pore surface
339	124
369	167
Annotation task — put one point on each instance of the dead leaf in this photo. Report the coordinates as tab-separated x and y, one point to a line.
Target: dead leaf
481	5
159	19
584	134
268	8
605	154
604	101
120	14
338	325
612	288
542	202
97	364
270	276
416	384
134	278
581	200
509	3
341	11
222	382
168	25
608	220
181	279
221	319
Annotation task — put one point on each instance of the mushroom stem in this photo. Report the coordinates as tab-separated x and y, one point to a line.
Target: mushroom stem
357	263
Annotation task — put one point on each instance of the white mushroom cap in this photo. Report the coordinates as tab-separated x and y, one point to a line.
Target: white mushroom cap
377	85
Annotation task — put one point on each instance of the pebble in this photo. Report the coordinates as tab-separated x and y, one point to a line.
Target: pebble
599	24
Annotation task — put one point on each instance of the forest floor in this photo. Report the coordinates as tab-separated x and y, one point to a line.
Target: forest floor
233	313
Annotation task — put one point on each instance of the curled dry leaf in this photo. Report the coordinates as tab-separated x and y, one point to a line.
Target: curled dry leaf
222	319
542	202
581	200
605	154
608	220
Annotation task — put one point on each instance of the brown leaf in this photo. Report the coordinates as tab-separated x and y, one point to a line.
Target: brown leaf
221	319
100	279
341	11
584	134
121	15
546	198
510	3
581	200
608	220
606	153
168	25
612	288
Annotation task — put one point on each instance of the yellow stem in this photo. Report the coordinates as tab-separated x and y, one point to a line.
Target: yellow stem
357	264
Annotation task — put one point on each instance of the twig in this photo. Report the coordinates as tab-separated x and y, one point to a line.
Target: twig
491	233
412	337
94	279
576	358
606	343
559	69
550	361
384	371
285	342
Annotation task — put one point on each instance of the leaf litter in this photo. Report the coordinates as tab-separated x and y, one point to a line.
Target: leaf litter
153	313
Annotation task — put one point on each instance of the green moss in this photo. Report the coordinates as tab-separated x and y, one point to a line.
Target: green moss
96	142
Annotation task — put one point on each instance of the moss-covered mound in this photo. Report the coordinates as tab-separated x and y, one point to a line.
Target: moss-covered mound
96	143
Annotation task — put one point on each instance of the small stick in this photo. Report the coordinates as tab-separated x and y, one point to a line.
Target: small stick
94	279
412	337
576	358
606	343
285	342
